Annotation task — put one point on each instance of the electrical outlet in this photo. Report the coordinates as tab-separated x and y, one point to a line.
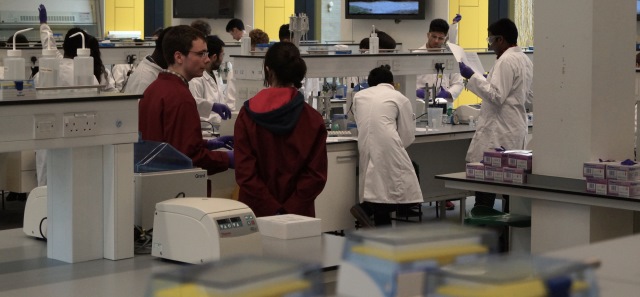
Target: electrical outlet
451	64
45	126
80	124
436	61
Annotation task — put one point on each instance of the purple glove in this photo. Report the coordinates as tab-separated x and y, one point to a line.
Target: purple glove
485	74
227	140
214	144
444	94
457	18
420	93
43	14
222	110
465	71
232	159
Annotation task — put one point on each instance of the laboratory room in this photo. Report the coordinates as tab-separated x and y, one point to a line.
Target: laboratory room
319	148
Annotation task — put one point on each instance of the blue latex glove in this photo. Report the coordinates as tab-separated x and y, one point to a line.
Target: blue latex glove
222	110
42	13
457	18
214	144
227	140
444	94
420	93
465	71
232	159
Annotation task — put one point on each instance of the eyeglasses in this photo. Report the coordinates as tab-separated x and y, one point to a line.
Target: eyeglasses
491	39
202	54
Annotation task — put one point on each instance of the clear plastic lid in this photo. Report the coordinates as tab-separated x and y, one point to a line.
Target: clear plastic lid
410	235
151	156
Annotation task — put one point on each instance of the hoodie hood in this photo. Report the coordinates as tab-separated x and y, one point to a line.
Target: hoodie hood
276	109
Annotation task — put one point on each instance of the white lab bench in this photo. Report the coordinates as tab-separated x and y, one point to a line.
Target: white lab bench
26	270
90	168
563	214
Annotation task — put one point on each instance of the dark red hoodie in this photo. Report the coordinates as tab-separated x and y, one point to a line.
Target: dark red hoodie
280	153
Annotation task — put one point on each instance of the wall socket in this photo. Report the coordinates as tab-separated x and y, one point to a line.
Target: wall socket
80	124
45	126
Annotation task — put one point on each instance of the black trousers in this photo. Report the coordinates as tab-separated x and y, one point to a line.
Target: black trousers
488	199
381	212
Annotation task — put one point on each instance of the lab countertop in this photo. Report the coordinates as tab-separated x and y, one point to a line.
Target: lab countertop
67	97
446	132
26	270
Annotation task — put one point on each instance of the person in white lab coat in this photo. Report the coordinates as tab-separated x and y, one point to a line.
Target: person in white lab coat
148	69
449	86
386	127
213	105
504	93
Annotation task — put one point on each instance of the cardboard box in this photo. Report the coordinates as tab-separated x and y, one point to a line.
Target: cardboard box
623	172
595	169
289	226
624	188
495	159
475	170
520	159
514	175
597	186
494	173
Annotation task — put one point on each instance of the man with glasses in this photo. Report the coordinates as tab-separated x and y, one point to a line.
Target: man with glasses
167	111
448	86
213	105
504	94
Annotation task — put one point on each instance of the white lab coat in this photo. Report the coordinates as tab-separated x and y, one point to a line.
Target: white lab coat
504	93
145	74
386	126
120	74
207	91
452	82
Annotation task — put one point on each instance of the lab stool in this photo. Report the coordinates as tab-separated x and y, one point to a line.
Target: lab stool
486	216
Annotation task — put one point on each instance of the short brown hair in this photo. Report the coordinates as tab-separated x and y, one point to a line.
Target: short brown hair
179	39
258	36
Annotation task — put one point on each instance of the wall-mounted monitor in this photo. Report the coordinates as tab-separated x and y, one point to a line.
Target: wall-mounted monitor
385	9
203	9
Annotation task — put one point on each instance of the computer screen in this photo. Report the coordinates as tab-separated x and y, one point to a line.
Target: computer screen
385	9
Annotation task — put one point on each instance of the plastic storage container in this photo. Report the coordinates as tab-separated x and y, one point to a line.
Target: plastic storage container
515	275
14	64
83	65
245	44
395	261
49	68
240	276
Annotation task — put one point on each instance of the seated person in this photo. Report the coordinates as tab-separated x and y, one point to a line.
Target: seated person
258	37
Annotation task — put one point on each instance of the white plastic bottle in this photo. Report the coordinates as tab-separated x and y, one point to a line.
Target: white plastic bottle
374	42
245	44
14	64
82	65
49	68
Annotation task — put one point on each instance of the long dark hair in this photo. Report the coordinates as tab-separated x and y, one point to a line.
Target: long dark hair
284	62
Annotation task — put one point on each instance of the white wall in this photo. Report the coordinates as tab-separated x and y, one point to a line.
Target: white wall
244	11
